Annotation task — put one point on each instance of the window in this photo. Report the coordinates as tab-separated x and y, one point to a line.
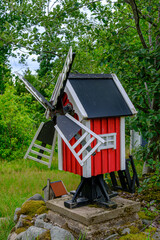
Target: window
110	141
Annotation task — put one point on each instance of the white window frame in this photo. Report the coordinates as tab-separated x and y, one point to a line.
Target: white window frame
107	138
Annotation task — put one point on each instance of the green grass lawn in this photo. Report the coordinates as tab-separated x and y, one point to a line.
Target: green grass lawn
21	179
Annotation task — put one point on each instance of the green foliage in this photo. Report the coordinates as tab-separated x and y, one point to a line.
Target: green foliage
114	37
132	52
150	188
16	126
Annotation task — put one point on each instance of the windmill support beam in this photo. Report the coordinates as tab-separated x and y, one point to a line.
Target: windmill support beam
93	190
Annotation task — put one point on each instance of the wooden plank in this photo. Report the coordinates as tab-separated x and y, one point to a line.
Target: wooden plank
80	140
92	151
52	150
40	154
122	143
43	148
68	144
118	144
124	94
34	139
111	152
48	189
87	164
75	100
104	151
98	157
37	160
85	128
85	146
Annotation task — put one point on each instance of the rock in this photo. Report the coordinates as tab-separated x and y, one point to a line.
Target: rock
20	221
42	216
156	235
60	234
126	231
48	226
36	197
56	219
12	236
112	237
15	214
41	224
146	169
20	236
30	234
146	222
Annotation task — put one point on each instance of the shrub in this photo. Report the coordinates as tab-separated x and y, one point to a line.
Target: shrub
16	125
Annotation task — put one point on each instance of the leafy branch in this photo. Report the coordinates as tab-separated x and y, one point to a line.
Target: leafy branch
133	5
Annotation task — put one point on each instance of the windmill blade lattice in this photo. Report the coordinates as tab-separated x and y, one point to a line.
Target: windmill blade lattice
35	93
46	133
66	126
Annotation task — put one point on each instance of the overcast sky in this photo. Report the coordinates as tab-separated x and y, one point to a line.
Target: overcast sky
18	67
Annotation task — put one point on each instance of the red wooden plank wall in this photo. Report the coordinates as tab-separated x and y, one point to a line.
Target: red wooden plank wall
70	163
106	160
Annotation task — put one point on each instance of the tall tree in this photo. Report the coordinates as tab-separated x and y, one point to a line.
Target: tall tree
128	32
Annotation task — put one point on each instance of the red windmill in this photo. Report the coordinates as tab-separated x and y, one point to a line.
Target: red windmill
88	112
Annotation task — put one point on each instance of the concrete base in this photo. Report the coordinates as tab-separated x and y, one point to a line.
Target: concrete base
91	214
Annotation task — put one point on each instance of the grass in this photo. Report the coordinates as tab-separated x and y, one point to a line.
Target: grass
21	179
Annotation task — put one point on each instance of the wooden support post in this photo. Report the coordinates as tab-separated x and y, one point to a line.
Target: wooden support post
48	189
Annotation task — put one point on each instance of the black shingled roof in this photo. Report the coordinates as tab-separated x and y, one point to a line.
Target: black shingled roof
99	95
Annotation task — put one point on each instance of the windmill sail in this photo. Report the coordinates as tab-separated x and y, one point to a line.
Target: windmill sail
61	82
68	127
38	96
46	133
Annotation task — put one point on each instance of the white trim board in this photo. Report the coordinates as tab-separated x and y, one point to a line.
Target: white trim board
85	128
60	153
122	143
124	94
87	164
75	101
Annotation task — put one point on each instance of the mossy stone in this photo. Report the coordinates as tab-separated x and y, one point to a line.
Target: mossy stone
45	236
42	209
26	223
142	215
22	229
29	218
138	236
134	229
31	207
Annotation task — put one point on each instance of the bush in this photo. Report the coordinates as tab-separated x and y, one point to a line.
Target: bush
16	125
